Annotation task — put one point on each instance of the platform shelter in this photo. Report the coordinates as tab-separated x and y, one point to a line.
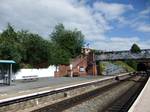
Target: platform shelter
6	71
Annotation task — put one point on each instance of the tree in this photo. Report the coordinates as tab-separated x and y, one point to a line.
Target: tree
10	46
68	40
23	47
132	63
135	48
9	34
34	49
58	56
31	50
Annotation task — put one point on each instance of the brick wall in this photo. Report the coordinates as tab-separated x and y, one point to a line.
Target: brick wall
81	66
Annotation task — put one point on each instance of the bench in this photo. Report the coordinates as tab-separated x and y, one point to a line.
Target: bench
30	78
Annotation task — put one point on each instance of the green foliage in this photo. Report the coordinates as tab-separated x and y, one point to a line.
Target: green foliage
135	48
102	67
34	49
132	63
124	65
57	55
70	41
9	35
9	45
24	48
31	50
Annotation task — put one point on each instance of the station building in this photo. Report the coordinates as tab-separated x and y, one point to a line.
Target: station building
82	65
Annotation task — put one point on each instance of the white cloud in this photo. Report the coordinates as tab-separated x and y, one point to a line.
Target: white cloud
120	43
144	28
125	39
112	10
142	21
145	12
141	26
41	16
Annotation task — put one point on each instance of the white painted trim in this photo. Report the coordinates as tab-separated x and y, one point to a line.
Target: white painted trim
132	108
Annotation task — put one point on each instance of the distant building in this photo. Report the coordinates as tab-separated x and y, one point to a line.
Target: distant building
82	65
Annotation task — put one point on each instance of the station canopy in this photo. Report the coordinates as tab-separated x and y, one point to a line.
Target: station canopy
7	61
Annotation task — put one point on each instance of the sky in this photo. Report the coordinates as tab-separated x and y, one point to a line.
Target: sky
106	24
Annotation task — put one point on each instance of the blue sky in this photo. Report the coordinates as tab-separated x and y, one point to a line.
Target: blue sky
131	16
106	24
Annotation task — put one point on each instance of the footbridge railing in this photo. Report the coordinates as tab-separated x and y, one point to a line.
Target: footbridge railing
122	55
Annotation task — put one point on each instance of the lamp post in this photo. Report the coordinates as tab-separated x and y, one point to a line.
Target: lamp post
71	66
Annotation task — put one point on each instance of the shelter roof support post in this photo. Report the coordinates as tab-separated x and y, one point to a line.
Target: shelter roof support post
2	71
10	72
10	75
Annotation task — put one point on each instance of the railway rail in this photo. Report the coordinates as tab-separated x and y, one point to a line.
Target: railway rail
53	95
123	103
71	102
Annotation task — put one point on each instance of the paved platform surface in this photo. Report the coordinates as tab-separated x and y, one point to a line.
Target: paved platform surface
19	88
142	103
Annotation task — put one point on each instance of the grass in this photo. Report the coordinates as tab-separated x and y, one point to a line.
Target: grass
124	65
102	65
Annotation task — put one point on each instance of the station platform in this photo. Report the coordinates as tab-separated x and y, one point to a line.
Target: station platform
21	88
142	103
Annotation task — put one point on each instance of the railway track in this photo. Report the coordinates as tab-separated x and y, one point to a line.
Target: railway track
48	97
123	103
71	102
120	105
